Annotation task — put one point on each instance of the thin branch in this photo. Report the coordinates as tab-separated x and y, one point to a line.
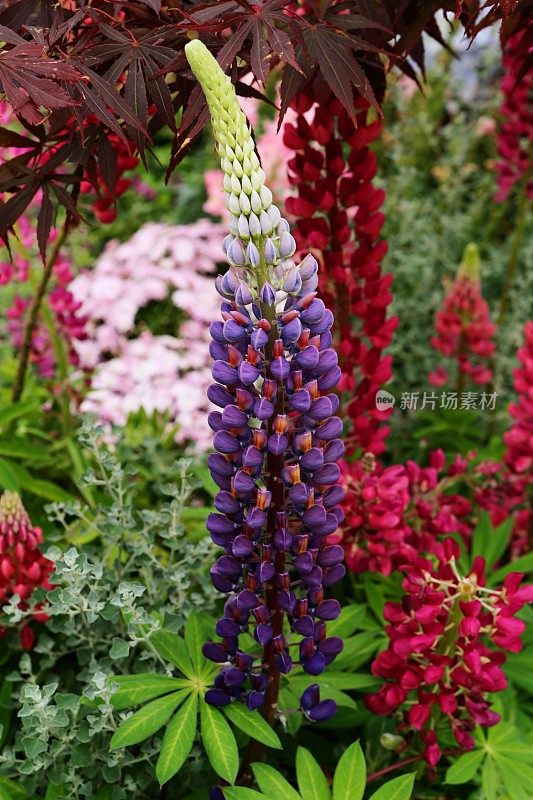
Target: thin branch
405	763
24	357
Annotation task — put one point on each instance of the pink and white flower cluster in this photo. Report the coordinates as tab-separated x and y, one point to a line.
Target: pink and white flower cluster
166	374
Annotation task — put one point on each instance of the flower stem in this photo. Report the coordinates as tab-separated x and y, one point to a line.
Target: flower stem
405	763
18	386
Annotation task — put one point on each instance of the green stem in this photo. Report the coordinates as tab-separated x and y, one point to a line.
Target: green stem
20	378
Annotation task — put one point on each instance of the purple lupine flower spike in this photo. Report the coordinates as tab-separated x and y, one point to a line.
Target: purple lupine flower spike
276	436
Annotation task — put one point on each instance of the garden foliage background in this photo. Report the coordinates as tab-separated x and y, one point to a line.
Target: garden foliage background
108	444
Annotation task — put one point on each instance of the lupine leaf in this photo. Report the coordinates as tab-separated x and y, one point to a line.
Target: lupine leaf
219	743
347	622
465	767
490	779
273	784
196	632
399	788
177	741
172	648
312	782
253	724
350	776
242	793
147	720
135	689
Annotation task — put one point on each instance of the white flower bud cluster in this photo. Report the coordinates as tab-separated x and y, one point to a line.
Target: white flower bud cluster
260	243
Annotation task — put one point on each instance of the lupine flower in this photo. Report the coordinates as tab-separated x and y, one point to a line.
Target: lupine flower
518	441
464	328
276	434
22	565
448	642
516	132
337	213
394	513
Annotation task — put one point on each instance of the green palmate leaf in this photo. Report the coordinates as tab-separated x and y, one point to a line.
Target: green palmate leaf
14	790
491	542
273	784
4	794
147	720
135	689
312	782
465	767
350	776
357	649
490	780
347	622
522	564
253	724
241	793
219	743
177	741
398	789
196	633
516	785
172	648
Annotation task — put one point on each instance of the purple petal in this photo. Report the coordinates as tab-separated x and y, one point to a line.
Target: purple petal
333	574
310	697
223	373
329	609
233	417
329	379
215	652
314	312
224	442
300	401
330	556
248	374
254	700
321	408
314	665
323	711
217	697
307	358
329	473
279	368
218	395
331	429
226	503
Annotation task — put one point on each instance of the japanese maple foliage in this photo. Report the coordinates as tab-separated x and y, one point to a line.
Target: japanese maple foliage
83	76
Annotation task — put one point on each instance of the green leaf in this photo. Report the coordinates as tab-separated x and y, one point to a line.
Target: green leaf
350	776
465	767
19	447
14	790
242	793
273	784
45	489
4	794
357	649
347	622
522	564
195	636
172	648
119	648
17	410
312	782
490	542
253	724
490	780
135	689
177	741
147	720
8	478
512	778
398	789
219	743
